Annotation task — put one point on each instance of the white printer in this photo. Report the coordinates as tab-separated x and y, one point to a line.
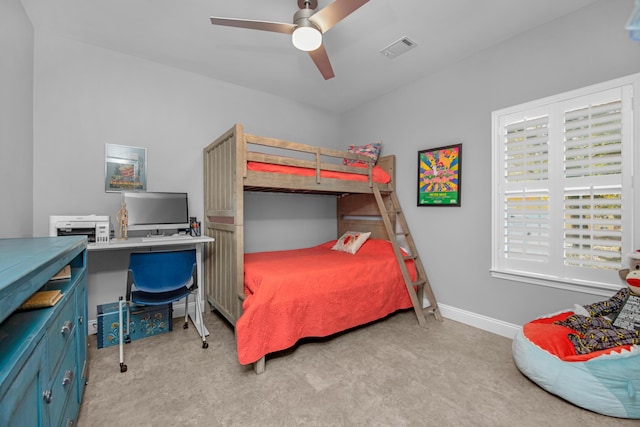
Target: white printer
95	227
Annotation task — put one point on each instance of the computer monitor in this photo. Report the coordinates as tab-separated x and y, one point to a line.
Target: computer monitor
156	210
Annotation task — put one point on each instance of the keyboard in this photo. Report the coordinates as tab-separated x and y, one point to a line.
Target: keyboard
167	238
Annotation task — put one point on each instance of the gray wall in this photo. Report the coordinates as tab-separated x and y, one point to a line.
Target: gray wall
454	106
86	97
16	121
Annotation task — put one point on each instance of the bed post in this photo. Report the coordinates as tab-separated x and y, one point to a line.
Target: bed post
223	220
260	365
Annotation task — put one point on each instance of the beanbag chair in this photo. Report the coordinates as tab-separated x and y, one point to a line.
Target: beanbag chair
605	381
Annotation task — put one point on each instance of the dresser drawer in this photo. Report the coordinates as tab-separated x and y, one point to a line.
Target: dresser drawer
63	383
69	417
21	402
62	329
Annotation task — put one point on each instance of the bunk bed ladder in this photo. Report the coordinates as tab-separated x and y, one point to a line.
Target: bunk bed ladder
422	282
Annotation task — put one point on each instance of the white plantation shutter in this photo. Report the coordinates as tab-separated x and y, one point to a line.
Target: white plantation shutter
526	196
526	150
593	138
593	182
562	179
593	228
526	226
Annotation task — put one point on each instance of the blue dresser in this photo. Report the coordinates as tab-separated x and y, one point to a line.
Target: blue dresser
43	352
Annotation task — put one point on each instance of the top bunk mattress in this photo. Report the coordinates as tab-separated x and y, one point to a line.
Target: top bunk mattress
379	175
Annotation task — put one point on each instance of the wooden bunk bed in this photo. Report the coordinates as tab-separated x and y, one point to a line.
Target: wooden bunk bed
237	162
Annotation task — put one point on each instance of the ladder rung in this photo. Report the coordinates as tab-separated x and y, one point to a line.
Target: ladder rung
432	307
419	282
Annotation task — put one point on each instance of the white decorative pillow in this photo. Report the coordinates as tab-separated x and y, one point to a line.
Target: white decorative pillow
351	241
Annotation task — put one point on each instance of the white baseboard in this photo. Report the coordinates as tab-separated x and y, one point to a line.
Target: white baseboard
479	321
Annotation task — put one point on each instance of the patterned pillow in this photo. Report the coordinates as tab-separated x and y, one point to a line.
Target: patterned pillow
370	150
351	241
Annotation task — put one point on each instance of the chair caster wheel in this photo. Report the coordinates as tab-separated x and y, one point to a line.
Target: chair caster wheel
185	326
123	367
205	345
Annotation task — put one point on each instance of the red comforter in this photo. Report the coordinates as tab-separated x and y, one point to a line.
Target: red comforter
316	292
379	175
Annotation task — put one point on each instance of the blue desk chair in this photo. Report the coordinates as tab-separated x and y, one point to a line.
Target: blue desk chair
160	277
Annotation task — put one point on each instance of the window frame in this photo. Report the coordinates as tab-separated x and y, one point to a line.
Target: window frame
630	183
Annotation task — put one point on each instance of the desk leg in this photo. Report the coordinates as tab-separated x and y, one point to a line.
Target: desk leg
195	317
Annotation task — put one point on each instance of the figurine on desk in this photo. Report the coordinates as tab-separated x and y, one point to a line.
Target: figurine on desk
194	226
122	216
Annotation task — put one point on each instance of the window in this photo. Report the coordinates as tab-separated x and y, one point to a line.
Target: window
562	207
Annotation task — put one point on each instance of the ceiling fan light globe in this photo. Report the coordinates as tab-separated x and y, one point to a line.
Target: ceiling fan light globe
306	38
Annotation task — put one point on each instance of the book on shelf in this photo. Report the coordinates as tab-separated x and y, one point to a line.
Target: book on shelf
42	299
65	273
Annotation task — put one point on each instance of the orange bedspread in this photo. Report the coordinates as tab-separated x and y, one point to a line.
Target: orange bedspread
316	292
379	175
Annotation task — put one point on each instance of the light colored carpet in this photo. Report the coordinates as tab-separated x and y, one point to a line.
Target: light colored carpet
389	373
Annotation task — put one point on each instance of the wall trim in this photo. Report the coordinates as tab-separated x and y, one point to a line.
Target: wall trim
479	321
489	324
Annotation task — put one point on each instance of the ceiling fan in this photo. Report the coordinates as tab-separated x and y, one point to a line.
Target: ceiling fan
307	28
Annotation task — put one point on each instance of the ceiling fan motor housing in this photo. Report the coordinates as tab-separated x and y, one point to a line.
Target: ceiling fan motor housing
301	18
306	36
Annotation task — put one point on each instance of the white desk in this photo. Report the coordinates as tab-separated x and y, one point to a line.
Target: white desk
158	242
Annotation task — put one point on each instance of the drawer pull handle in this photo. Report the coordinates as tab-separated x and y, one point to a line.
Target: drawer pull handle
47	396
67	327
80	320
68	377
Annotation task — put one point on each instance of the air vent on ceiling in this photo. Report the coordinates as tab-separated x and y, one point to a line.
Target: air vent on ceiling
398	47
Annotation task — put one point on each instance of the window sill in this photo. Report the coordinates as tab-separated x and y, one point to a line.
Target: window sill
593	288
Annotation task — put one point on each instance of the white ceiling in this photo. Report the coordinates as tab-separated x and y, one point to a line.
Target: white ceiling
178	33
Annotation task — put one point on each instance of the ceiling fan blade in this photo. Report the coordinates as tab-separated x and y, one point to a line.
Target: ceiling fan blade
321	59
334	13
275	27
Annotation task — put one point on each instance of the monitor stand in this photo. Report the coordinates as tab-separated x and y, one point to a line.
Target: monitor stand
158	235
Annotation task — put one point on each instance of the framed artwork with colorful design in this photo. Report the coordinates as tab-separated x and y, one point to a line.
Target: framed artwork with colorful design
439	176
125	168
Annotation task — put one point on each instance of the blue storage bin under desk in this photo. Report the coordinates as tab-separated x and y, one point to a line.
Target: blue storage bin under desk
145	321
